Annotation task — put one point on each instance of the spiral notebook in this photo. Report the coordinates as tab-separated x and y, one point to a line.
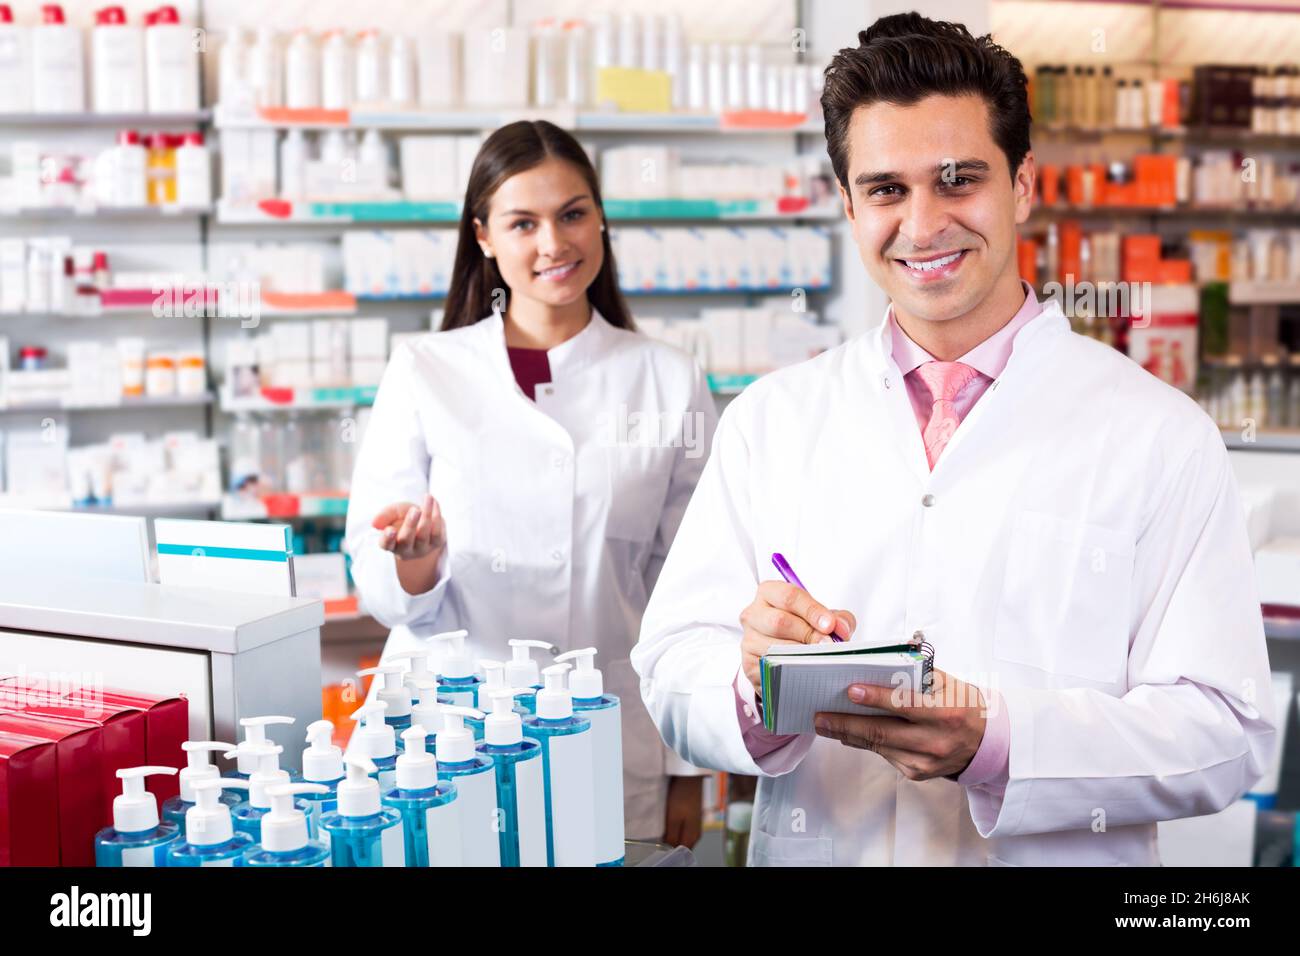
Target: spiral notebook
800	681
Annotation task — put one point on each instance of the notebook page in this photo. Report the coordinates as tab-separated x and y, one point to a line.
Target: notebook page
807	687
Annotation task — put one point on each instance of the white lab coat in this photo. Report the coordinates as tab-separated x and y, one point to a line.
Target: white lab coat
1084	553
559	513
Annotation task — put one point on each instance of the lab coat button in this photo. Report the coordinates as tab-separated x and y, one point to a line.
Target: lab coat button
557	554
749	711
927	501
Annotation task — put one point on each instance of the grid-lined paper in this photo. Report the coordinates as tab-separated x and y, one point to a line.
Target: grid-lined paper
801	687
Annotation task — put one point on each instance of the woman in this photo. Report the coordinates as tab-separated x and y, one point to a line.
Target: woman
525	469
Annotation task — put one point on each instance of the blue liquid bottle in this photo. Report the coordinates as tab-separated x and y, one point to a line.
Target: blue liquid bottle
456	678
322	763
587	688
567	761
394	693
247	814
254	738
377	741
136	837
430	816
521	790
494	674
284	831
200	768
476	788
363	832
522	671
210	838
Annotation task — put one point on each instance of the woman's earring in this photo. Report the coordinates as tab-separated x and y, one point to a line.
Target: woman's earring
487	254
602	227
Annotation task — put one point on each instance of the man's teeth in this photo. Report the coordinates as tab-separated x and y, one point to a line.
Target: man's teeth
932	263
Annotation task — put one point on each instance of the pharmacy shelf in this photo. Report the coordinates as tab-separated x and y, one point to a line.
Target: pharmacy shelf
171	401
299	399
731	290
1266	440
266	507
730	384
158	509
275	212
1183	211
1264	292
1281	622
1213	134
74	213
116	120
756	122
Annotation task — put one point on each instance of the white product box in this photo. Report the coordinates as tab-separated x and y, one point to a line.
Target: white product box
367	372
262	156
13	275
755	341
467	148
430	170
495	67
26	158
292	341
322	576
236	166
724	329
36	462
438	70
1277	571
369	339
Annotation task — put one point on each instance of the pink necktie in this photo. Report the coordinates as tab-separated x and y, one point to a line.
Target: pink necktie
944	380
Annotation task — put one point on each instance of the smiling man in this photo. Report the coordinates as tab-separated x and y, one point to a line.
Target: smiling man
1059	525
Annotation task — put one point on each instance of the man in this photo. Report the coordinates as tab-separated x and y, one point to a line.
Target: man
1062	527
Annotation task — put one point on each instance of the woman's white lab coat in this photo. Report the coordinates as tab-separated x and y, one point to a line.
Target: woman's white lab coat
559	513
1079	547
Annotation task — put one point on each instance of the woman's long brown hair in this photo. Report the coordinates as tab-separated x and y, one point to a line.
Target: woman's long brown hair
513	149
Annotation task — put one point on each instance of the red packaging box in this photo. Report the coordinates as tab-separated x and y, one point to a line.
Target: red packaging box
167	726
121	728
79	761
29	808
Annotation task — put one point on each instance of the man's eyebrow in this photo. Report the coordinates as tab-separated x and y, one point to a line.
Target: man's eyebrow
959	166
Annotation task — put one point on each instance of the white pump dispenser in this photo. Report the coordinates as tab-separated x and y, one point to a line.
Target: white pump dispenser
586	682
199	767
359	793
522	669
266	774
254	736
419	665
417	769
285	828
394	692
455	662
376	738
455	742
322	762
554	702
208	821
135	809
427	711
503	726
494	673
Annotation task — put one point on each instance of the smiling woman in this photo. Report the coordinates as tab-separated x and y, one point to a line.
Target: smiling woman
532	234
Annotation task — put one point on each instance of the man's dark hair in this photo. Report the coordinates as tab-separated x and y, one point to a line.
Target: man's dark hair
906	57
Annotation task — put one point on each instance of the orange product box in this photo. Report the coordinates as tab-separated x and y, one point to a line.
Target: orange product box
1049	179
1074	185
1175	271
1027	259
1071	240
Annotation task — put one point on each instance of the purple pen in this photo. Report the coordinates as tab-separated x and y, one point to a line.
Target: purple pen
787	574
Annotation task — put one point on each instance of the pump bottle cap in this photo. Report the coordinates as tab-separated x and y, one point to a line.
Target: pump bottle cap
285	827
208	821
419	664
455	743
455	663
427	711
254	734
585	682
503	726
553	701
266	773
359	792
135	809
416	768
494	677
375	737
322	761
522	669
199	766
393	692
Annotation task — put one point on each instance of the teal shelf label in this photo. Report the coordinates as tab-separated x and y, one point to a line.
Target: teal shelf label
387	211
680	208
730	383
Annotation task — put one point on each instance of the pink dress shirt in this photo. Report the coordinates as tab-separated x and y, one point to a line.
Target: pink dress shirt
775	753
